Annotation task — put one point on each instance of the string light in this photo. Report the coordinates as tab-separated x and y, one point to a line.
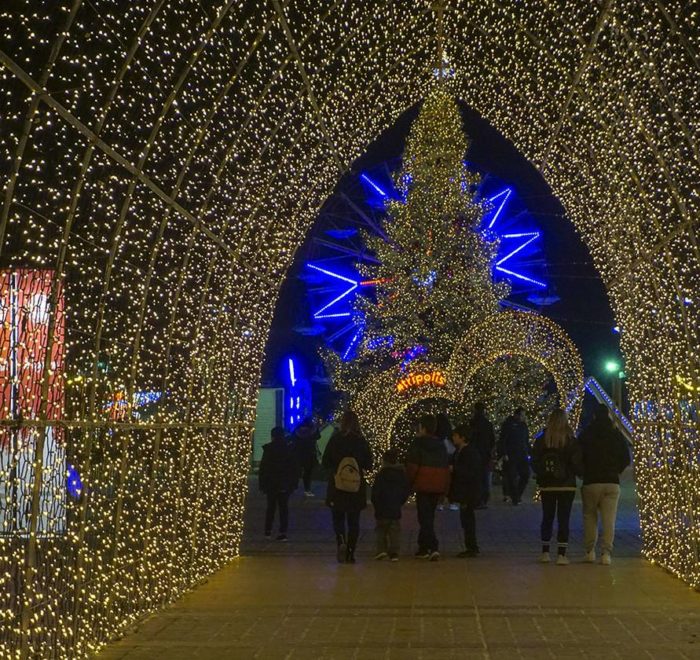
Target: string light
164	163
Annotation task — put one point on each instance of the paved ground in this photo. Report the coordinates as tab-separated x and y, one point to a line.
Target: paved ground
293	601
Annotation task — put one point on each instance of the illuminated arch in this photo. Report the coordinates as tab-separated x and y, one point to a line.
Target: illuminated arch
522	333
381	402
167	162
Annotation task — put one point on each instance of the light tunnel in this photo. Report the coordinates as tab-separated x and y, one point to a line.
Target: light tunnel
162	161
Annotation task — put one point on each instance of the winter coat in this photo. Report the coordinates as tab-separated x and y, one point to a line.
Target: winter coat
427	465
568	461
483	437
390	492
305	438
341	446
279	468
465	486
604	453
515	440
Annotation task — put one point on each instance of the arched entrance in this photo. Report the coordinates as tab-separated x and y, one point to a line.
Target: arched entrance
386	396
166	184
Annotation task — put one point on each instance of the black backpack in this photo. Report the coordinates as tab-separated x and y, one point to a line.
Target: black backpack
553	464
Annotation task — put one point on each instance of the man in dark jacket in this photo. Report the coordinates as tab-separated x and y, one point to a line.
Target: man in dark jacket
305	440
604	455
278	479
484	440
515	443
465	486
389	494
428	471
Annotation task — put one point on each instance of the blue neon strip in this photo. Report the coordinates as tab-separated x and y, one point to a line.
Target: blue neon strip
592	384
505	194
523	235
521	277
514	252
347	292
374	185
330	273
351	344
292	377
332	316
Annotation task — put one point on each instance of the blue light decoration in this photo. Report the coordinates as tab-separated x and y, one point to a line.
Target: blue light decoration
333	279
74	484
298	394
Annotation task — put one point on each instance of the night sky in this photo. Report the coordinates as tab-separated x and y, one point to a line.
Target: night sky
583	311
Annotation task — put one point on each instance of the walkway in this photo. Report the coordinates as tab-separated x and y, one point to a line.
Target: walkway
293	601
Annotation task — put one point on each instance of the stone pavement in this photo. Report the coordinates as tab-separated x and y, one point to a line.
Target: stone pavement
291	600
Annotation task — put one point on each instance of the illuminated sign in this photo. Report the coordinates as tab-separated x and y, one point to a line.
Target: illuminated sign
434	378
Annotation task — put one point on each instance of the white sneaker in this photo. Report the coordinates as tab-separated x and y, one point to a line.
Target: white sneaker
544	558
589	557
440	507
454	507
562	560
308	493
606	559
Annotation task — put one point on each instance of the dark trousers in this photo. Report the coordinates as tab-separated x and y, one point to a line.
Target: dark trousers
275	500
517	474
388	535
485	483
426	503
307	471
468	520
347	525
559	503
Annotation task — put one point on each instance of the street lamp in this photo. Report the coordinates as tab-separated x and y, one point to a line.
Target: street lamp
611	366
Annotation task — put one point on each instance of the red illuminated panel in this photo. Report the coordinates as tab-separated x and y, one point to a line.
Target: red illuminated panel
25	312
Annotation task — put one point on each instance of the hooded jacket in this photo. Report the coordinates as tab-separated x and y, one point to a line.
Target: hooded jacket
483	436
514	440
279	468
465	486
427	465
305	438
390	492
604	453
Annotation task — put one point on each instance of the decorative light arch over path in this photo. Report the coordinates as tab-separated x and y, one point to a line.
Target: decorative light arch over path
508	333
166	162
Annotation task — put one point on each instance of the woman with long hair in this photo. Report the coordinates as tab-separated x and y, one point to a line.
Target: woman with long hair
347	458
553	461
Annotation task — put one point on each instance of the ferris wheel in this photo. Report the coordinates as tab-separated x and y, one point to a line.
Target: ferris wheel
331	274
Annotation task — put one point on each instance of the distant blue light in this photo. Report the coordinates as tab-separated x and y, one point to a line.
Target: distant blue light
616	329
505	194
352	343
521	277
332	316
74	485
374	185
292	374
533	236
330	273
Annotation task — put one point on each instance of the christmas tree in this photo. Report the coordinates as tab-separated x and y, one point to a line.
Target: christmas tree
433	274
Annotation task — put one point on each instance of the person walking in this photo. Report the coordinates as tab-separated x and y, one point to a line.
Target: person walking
444	432
604	455
427	468
278	478
554	463
465	485
347	458
484	439
305	437
389	493
515	439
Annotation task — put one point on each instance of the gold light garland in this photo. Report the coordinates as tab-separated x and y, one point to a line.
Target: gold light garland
166	160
